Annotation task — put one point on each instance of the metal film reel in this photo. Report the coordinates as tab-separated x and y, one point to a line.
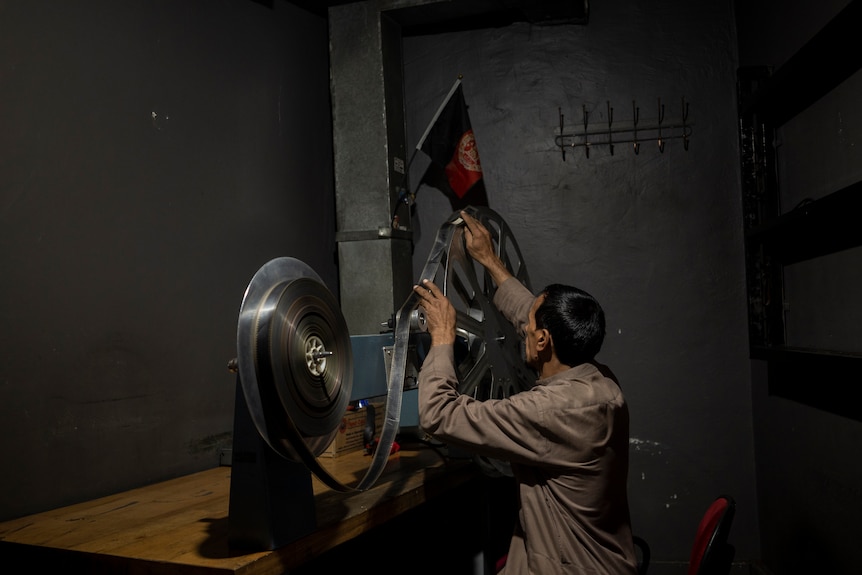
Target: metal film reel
295	361
294	356
491	365
488	351
295	364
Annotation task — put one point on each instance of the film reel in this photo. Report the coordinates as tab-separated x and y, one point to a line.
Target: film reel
491	363
488	352
295	358
295	365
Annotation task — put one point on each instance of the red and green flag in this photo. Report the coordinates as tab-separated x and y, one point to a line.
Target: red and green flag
450	143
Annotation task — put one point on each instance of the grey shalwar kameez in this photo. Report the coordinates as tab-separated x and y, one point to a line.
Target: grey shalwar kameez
567	441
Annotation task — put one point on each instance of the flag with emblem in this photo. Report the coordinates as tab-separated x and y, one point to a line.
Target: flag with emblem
450	143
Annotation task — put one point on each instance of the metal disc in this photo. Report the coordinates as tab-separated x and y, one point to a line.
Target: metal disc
295	405
493	365
489	354
311	356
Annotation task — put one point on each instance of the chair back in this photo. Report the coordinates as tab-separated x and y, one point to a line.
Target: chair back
711	554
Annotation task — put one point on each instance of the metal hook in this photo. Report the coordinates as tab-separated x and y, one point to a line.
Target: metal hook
586	133
610	128
610	134
660	120
562	148
684	127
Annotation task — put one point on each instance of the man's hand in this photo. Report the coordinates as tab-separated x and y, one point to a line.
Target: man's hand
480	247
439	313
478	240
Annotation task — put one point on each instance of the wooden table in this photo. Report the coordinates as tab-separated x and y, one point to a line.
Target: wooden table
181	526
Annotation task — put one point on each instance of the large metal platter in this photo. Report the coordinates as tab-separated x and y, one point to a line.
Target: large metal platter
488	352
294	358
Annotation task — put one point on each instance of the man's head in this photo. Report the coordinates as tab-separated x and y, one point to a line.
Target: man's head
574	320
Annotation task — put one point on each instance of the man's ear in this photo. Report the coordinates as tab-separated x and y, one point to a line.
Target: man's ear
543	339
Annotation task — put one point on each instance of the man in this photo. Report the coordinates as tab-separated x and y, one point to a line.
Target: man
566	438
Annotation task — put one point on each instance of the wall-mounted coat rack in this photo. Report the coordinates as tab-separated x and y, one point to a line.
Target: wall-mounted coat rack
634	132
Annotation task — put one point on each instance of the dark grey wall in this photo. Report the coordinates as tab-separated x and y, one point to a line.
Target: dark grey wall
154	155
656	237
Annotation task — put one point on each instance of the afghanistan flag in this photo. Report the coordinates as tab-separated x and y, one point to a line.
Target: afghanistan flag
450	143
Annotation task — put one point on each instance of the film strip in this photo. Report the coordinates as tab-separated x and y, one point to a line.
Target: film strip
295	360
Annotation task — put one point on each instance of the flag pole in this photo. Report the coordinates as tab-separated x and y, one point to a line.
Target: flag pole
439	110
403	194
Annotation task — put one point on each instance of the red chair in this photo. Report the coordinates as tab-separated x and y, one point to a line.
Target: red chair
711	554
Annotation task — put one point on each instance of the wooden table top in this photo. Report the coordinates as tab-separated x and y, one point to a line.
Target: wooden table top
180	526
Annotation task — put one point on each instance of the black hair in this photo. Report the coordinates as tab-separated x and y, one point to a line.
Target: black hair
575	321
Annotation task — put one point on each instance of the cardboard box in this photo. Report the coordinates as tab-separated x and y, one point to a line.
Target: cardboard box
350	435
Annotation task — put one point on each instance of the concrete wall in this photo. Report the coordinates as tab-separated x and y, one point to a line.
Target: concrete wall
154	155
